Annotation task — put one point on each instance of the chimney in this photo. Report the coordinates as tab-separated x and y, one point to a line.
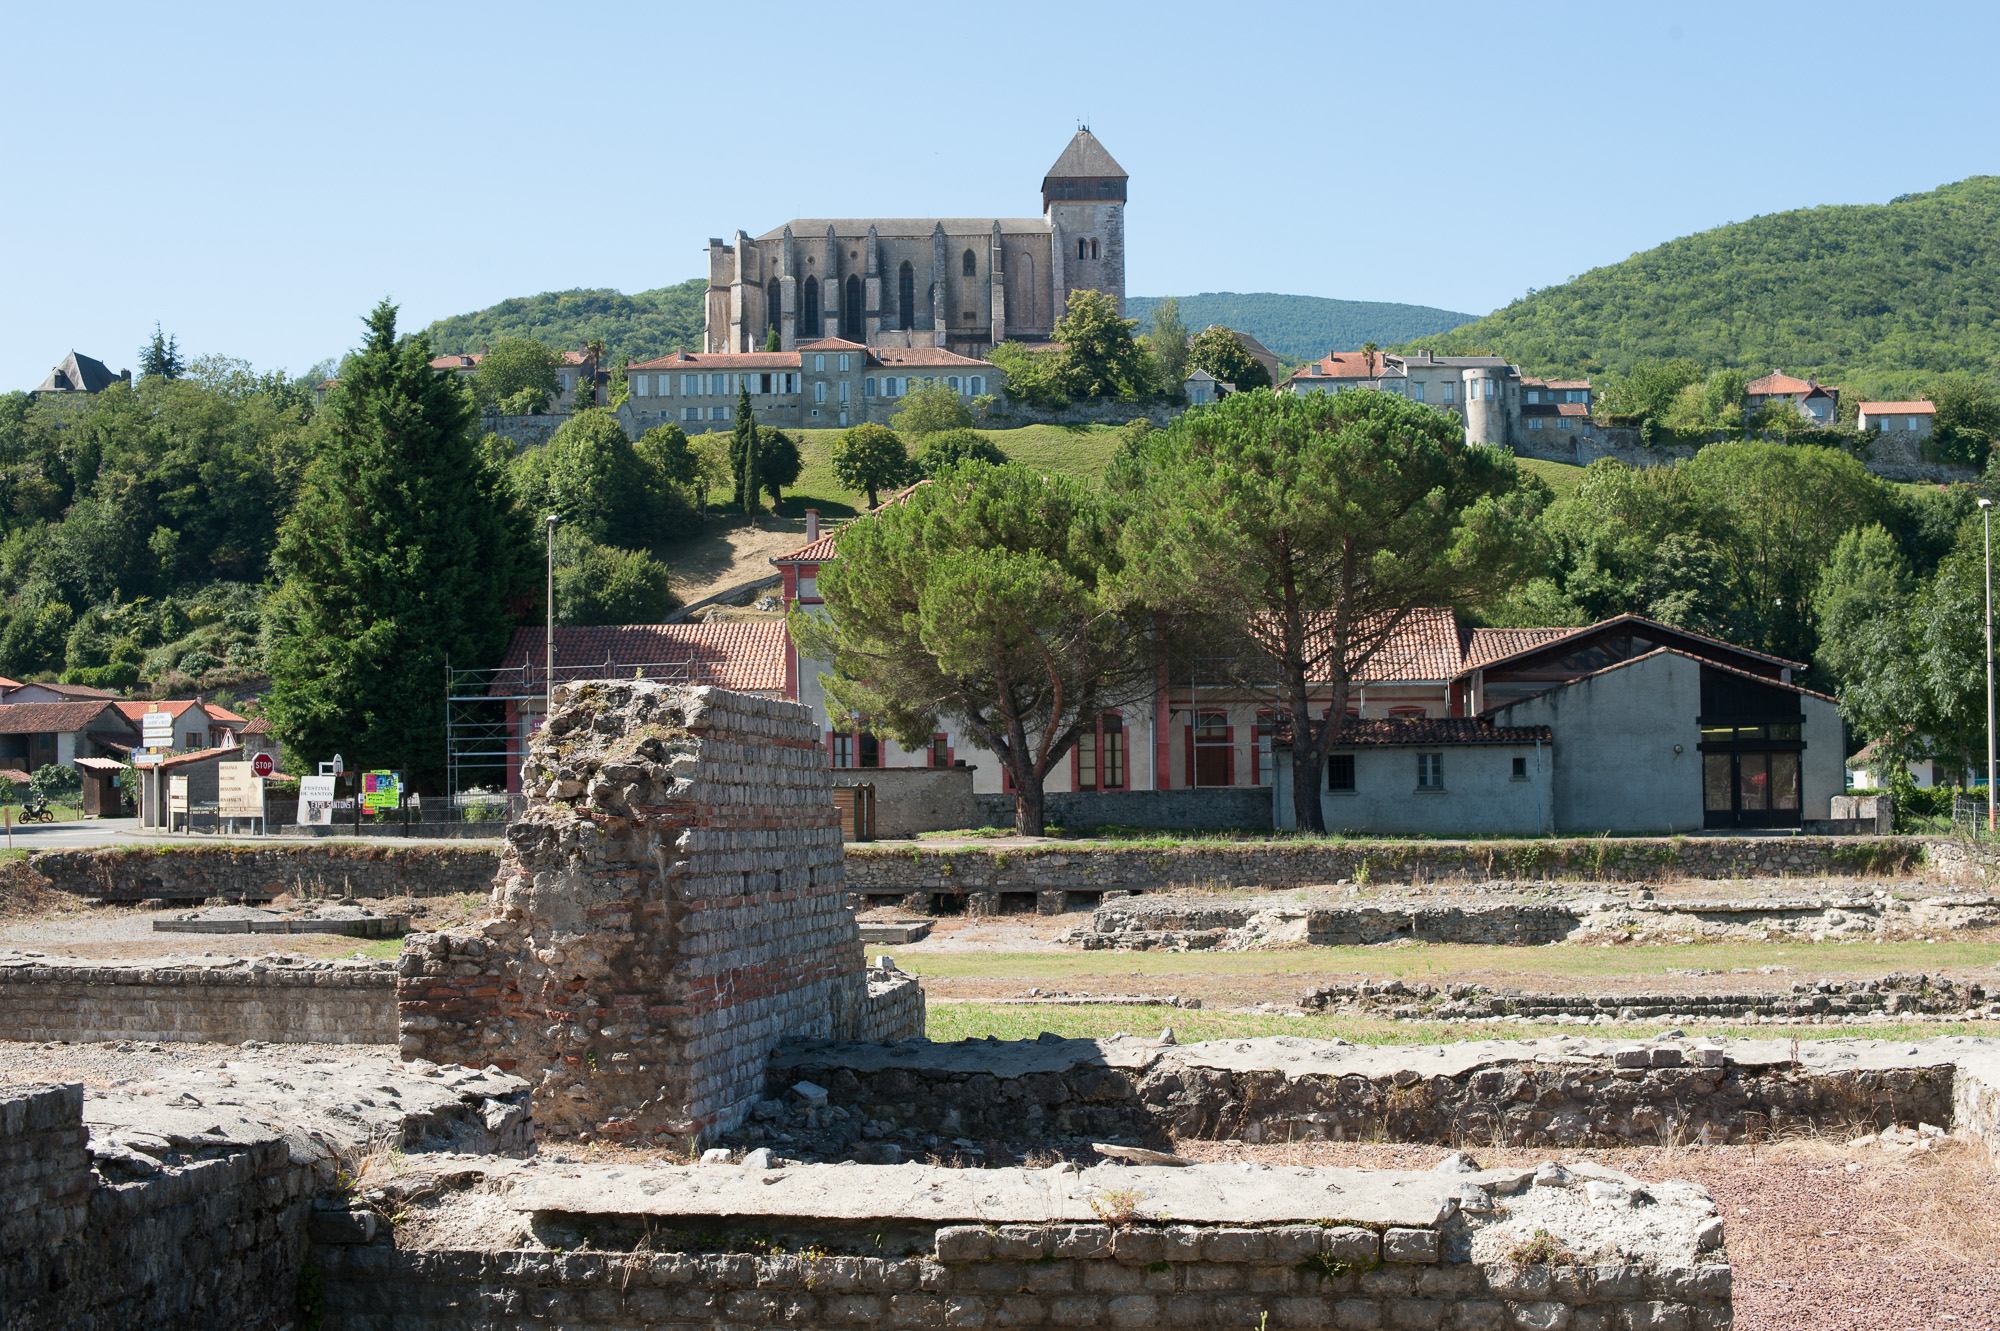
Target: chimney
812	525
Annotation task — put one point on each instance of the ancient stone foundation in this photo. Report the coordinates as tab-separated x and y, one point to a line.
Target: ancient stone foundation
670	906
130	874
222	1001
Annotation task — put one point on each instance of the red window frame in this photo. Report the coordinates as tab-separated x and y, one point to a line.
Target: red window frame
1124	755
1228	752
940	741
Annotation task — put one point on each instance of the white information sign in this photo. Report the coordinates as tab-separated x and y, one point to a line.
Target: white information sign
239	791
157	728
177	794
316	801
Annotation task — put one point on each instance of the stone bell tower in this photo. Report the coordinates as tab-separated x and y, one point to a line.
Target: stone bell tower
1083	197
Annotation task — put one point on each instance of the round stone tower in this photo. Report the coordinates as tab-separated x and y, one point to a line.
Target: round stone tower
1486	404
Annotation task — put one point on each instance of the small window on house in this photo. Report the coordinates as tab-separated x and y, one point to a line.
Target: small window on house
718	413
843	750
1340	772
1520	769
641	386
969	266
871	750
1448	393
868	388
952	382
819	390
940	750
1534	422
1534	396
819	363
843	362
1416	392
1430	771
843	390
978	385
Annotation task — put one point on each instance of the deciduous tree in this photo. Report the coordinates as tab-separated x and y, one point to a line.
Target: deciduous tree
870	458
985	596
1169	343
1217	351
947	448
1305	532
1099	357
518	375
929	408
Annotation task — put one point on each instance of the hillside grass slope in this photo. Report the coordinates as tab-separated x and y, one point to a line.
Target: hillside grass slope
1303	327
1869	292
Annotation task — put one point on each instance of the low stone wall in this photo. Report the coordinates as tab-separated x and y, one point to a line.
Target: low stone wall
128	874
1563	1092
893	1009
186	1210
1897	995
1204	1246
228	1002
1148	922
909	800
919	873
1223	809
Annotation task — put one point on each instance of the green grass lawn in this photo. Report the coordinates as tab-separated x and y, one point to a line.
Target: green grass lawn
959	1021
1440	961
1084	450
1563	477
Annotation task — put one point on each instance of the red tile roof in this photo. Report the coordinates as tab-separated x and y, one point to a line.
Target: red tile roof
1408	732
1424	646
721	360
1555	383
748	657
454	362
75	692
203	755
818	552
35	718
6	683
172	707
1558	635
1346	365
1572	409
923	356
1784	383
222	714
1918	408
831	344
257	726
1493	644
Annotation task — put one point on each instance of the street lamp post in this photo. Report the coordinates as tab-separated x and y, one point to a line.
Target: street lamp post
1986	519
549	646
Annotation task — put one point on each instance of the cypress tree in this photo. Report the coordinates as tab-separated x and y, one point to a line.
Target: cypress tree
401	553
772	342
743	452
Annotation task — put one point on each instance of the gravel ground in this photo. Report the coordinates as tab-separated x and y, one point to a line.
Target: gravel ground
101	1065
1894	1245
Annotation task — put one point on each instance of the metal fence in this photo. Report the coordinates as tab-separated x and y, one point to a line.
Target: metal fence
1970	817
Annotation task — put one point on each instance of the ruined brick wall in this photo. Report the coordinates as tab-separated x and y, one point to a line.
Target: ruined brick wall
670	906
52	998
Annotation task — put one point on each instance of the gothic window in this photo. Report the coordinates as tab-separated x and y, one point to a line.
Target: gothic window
1082	248
1021	308
812	328
850	309
906	297
773	303
970	265
1093	249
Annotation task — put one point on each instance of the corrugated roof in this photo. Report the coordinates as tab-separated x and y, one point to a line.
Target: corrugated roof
1085	158
747	656
100	764
35	718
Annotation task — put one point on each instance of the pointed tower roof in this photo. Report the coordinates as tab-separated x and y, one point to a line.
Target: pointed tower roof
1085	159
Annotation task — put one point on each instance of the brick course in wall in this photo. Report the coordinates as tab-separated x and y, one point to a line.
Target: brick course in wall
127	874
670	906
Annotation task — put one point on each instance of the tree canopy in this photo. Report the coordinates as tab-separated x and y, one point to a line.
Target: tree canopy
1303	532
986	596
870	458
402	553
518	377
1216	350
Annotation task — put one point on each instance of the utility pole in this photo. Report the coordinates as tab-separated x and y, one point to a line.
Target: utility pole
549	646
1986	519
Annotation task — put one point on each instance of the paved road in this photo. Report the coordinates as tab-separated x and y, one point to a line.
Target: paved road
90	832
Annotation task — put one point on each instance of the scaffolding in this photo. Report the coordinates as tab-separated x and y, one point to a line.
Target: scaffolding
490	714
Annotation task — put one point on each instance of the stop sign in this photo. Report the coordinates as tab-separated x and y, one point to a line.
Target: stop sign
262	765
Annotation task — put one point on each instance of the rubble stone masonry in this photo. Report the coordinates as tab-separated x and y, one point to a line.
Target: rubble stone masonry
670	906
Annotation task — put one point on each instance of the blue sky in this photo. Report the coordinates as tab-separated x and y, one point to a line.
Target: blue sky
255	177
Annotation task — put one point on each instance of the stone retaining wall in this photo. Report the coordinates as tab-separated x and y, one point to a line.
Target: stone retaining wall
322	1002
1824	1001
1209	809
211	1243
918	873
1558	1093
128	874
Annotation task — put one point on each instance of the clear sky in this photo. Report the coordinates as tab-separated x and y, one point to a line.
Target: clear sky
255	177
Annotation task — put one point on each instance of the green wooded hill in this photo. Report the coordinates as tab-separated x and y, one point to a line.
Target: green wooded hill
1870	292
1303	327
643	325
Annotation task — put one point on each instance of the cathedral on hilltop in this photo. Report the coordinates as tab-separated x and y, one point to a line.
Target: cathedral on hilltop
962	284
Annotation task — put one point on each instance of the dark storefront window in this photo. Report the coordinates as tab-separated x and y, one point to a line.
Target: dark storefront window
1750	746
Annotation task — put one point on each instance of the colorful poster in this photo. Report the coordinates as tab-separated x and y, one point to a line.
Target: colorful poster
380	790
